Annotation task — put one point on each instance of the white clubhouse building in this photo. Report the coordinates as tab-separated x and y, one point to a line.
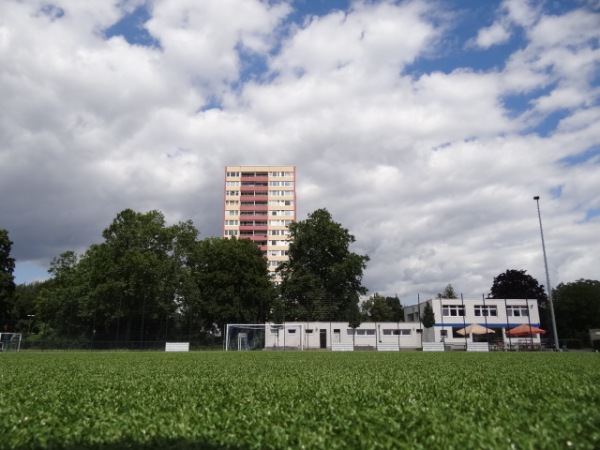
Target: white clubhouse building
451	316
499	315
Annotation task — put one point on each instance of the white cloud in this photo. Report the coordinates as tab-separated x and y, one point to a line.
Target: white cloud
561	98
510	14
581	119
200	39
573	29
492	35
370	37
524	13
558	66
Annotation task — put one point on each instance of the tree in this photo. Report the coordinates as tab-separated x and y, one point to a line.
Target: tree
25	305
428	318
448	292
322	278
577	308
378	308
7	280
517	284
136	276
233	281
147	281
62	296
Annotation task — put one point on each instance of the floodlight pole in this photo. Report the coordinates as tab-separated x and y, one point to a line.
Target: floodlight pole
548	287
31	316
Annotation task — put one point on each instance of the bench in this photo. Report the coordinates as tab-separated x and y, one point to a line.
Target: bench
177	346
340	347
433	346
478	347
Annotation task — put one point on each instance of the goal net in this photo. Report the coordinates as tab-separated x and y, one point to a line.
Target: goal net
269	336
10	342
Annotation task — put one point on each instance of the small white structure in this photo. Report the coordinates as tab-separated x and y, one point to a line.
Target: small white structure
478	347
433	346
388	347
499	315
337	336
342	347
177	346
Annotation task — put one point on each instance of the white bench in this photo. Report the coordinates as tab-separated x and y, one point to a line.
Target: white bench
388	347
177	346
433	346
340	347
478	347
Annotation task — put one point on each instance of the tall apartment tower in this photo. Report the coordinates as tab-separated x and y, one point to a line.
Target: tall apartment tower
260	203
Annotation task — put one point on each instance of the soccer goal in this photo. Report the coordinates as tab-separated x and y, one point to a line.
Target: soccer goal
269	336
10	342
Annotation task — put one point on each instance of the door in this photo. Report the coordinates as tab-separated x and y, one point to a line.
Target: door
323	337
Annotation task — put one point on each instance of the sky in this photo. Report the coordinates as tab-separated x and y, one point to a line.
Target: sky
425	127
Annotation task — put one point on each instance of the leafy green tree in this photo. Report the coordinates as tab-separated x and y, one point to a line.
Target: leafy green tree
135	277
448	292
517	284
147	280
7	280
25	306
322	278
378	308
60	298
428	318
233	281
577	308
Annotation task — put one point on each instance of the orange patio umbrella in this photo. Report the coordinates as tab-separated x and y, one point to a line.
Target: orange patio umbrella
524	330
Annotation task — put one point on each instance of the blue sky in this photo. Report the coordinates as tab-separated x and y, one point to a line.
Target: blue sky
425	127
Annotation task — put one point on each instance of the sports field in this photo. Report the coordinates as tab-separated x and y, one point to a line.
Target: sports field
311	400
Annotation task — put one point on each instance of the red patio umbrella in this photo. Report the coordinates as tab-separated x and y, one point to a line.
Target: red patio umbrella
524	330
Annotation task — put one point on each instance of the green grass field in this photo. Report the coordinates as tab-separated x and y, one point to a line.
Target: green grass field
311	400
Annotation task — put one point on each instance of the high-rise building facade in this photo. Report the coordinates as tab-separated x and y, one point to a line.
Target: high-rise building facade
260	203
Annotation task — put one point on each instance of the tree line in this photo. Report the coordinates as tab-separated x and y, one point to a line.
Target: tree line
147	281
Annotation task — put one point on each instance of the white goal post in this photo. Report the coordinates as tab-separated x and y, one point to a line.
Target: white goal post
10	342
268	336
